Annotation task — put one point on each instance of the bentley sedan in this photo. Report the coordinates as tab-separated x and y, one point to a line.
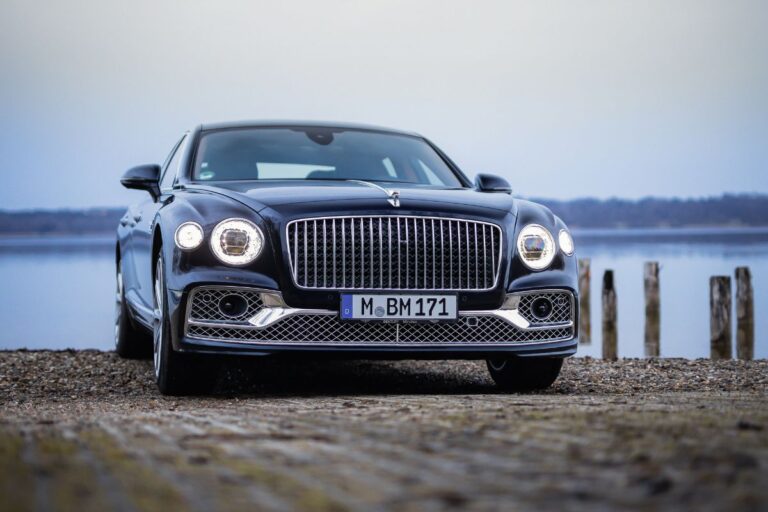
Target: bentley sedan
326	240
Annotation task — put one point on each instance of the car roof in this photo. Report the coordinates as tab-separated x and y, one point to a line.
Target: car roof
296	123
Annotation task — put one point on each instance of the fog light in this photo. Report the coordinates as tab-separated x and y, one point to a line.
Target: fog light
541	308
233	306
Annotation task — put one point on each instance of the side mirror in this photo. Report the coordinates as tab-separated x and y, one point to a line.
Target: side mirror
143	177
492	183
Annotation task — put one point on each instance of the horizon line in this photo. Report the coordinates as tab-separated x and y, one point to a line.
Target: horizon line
750	195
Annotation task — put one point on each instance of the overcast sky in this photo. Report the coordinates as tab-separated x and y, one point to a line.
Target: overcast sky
565	99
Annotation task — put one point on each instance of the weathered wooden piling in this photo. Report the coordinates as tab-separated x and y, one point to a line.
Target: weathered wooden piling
610	333
745	314
585	323
652	309
720	317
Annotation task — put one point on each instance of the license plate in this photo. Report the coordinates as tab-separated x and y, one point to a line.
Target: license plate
398	307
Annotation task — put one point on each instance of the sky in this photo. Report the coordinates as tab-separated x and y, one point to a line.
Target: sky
564	99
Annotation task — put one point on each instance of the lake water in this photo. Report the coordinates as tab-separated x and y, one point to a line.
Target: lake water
58	292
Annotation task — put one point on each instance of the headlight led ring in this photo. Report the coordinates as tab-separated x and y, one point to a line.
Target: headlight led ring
237	241
536	247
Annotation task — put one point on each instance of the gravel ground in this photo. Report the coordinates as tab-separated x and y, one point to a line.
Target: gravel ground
85	430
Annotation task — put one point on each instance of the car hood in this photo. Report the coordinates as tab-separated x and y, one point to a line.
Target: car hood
302	198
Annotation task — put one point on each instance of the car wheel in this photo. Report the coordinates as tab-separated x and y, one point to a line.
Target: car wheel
130	342
175	373
524	374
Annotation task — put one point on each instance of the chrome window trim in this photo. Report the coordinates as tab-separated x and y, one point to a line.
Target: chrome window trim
179	147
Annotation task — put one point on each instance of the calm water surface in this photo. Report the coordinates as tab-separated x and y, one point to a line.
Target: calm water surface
58	292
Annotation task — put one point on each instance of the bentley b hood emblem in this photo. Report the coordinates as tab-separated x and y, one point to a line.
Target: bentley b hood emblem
394	198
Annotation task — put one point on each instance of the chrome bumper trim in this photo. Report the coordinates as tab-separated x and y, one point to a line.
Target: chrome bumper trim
271	321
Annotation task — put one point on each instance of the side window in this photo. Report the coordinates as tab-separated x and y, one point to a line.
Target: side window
171	168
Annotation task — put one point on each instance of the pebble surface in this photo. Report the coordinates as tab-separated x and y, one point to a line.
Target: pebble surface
87	430
53	375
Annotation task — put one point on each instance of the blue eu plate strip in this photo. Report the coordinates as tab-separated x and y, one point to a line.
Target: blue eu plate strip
346	306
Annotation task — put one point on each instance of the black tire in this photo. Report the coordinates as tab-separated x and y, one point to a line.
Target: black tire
524	374
176	373
130	342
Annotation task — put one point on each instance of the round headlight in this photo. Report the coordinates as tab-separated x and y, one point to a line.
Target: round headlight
566	242
237	241
536	246
188	236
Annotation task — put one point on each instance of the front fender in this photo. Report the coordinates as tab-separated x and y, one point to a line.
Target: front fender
562	273
183	267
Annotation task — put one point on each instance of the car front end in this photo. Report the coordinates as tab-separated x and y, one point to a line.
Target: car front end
317	240
292	300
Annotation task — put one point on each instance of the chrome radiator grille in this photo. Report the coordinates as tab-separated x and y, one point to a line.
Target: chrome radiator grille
394	253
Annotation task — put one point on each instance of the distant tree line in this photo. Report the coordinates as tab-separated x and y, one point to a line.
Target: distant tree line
726	210
63	222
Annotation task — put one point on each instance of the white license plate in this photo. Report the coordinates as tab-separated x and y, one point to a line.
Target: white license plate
398	307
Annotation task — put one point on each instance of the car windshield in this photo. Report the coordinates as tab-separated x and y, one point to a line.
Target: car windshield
309	153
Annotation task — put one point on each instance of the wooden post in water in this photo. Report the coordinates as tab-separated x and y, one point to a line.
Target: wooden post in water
745	314
720	317
610	335
652	309
585	323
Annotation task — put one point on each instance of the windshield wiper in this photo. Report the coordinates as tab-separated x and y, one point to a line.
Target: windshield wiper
351	180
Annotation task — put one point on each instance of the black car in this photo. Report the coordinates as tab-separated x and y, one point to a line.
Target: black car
337	240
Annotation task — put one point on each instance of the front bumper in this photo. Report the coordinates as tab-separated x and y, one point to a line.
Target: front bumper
267	326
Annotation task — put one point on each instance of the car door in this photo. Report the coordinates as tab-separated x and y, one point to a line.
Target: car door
144	217
127	261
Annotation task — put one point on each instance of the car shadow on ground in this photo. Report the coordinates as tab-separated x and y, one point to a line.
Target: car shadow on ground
283	378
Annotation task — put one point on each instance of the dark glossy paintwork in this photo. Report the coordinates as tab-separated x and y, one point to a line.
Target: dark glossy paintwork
492	183
149	227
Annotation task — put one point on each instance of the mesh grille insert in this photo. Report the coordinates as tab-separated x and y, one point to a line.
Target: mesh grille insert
328	329
204	304
562	307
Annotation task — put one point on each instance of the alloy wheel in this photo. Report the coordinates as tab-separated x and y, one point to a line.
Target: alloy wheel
118	303
159	323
